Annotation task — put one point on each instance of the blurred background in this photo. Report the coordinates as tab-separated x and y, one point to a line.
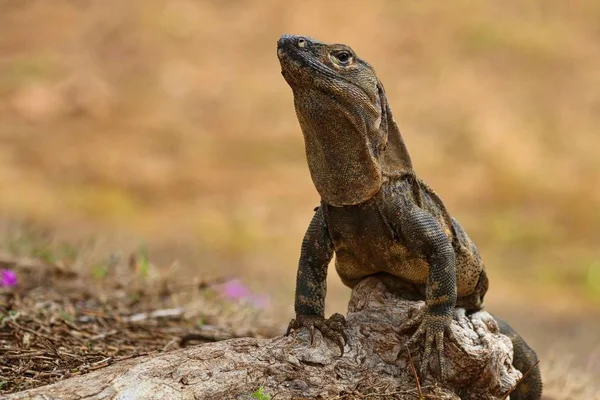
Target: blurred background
168	123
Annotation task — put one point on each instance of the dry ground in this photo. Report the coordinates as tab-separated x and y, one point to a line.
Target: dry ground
168	124
74	311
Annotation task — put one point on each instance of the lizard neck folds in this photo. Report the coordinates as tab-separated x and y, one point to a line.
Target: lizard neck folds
351	139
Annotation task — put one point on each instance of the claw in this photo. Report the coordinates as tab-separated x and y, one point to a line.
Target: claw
345	337
340	344
432	327
290	327
332	328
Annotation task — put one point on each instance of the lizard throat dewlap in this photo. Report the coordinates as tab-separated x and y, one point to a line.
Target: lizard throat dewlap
343	164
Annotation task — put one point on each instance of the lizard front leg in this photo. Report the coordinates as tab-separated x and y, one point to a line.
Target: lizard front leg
311	285
424	236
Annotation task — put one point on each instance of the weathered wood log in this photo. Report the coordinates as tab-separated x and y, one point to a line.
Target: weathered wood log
375	362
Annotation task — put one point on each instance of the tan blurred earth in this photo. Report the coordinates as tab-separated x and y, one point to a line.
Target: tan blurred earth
168	123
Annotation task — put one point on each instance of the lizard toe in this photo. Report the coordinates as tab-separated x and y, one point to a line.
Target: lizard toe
337	322
332	328
414	320
432	328
333	331
426	353
439	344
302	322
291	327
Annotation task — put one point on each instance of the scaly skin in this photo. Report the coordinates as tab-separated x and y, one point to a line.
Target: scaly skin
524	359
375	215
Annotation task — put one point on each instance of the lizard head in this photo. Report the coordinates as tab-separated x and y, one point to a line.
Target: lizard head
350	137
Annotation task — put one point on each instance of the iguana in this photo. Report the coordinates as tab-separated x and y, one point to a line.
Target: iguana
375	214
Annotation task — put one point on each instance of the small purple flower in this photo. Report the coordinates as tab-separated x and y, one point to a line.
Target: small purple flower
235	289
8	278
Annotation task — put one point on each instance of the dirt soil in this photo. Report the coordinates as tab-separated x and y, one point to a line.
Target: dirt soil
57	324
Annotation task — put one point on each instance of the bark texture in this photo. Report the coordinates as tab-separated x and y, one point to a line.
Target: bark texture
375	362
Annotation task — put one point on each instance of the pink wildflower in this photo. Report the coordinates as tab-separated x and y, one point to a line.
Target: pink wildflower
8	278
235	289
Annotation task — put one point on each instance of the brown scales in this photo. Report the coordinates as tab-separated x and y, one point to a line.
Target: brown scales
375	215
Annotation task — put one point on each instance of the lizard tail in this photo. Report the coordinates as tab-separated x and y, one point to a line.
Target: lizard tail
524	360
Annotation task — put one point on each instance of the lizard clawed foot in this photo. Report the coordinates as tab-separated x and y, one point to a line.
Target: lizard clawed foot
432	325
332	328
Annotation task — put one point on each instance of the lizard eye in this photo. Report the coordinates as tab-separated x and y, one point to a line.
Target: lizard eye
301	42
342	57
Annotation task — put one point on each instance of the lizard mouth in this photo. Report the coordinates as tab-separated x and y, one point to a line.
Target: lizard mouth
296	54
289	58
